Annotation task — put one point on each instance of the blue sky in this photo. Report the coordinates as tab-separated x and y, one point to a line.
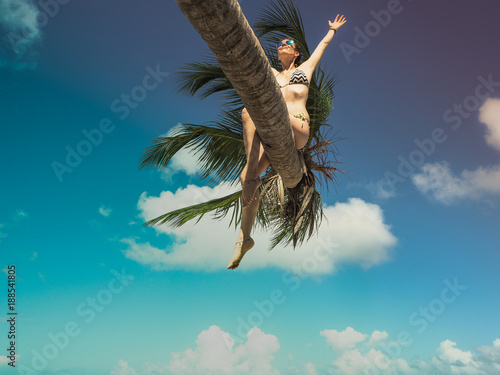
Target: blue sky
401	279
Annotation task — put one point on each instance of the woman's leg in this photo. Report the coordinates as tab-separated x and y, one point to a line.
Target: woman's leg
253	148
257	163
244	242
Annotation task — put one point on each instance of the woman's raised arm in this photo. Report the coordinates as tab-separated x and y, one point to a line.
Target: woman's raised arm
313	61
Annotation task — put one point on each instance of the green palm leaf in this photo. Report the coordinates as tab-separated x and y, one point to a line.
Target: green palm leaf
206	78
218	146
279	20
219	207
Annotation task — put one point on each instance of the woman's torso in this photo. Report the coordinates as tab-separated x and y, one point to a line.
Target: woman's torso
295	88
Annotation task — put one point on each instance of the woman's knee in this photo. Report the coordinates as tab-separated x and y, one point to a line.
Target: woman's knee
242	176
244	114
248	125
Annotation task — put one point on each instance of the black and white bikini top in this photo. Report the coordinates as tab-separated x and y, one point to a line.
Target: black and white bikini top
298	77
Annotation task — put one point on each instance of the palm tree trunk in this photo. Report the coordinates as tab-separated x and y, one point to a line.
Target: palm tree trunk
224	28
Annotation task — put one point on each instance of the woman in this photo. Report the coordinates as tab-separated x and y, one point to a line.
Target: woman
294	82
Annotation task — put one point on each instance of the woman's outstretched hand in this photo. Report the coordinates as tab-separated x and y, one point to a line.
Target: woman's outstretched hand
339	21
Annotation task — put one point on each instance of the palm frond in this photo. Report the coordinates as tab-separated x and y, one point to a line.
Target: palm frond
218	146
206	78
279	20
221	206
293	220
320	101
322	159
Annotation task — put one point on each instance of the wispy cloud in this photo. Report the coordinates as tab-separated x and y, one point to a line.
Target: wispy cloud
381	189
18	22
346	339
377	337
123	368
105	211
3	360
489	114
439	182
20	215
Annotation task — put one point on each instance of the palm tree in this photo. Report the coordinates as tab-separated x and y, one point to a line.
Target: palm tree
291	209
224	28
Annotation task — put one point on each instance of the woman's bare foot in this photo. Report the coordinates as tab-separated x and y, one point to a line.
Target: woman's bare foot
240	249
248	190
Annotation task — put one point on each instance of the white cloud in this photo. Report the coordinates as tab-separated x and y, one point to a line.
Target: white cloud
18	21
448	353
346	339
438	181
216	353
310	369
489	357
123	369
352	233
304	369
381	189
452	360
104	211
20	214
449	360
489	114
3	360
377	337
183	161
354	362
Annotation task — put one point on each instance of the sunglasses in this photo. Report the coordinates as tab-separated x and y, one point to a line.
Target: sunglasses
287	43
